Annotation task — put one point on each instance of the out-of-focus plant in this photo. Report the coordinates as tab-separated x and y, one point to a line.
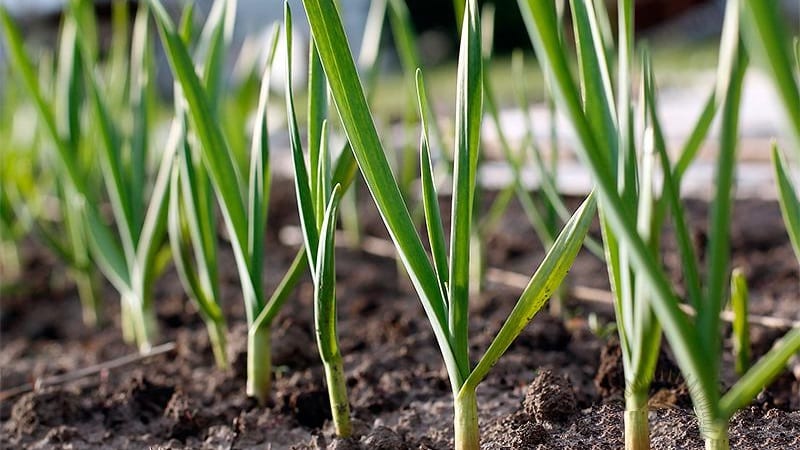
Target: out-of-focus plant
192	217
243	206
130	253
605	145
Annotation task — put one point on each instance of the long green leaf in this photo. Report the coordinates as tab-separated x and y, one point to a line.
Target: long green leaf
302	179
181	252
69	84
718	257
594	73
671	194
540	18
259	181
543	284
325	286
214	149
768	41
787	194
430	197
348	94
113	171
761	374
215	40
155	219
317	111
141	102
20	61
469	111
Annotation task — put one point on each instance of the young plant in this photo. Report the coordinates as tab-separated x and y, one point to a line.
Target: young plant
441	283
605	147
192	234
244	214
192	218
129	254
244	210
317	203
29	176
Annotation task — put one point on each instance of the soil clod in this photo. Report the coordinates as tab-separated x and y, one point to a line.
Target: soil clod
383	438
45	409
550	398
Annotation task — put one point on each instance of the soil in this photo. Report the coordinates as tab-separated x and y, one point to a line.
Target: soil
558	386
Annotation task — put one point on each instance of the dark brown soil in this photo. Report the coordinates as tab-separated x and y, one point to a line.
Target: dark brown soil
558	387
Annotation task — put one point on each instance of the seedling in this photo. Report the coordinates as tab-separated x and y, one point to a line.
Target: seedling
441	283
605	147
192	221
245	224
130	254
317	203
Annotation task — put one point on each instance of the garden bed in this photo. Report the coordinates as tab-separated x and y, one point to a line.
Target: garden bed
557	387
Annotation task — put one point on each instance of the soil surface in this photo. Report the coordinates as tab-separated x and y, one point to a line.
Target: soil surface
558	386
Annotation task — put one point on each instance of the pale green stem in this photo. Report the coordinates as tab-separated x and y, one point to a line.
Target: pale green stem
126	321
9	259
715	435
465	405
216	335
637	426
90	301
141	319
337	393
259	363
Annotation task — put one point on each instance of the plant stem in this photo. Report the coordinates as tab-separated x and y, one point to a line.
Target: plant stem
337	393
90	302
259	363
465	406
126	321
216	335
141	319
146	328
637	426
715	434
9	258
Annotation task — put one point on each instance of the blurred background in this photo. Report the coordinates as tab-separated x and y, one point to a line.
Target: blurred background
682	35
676	21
